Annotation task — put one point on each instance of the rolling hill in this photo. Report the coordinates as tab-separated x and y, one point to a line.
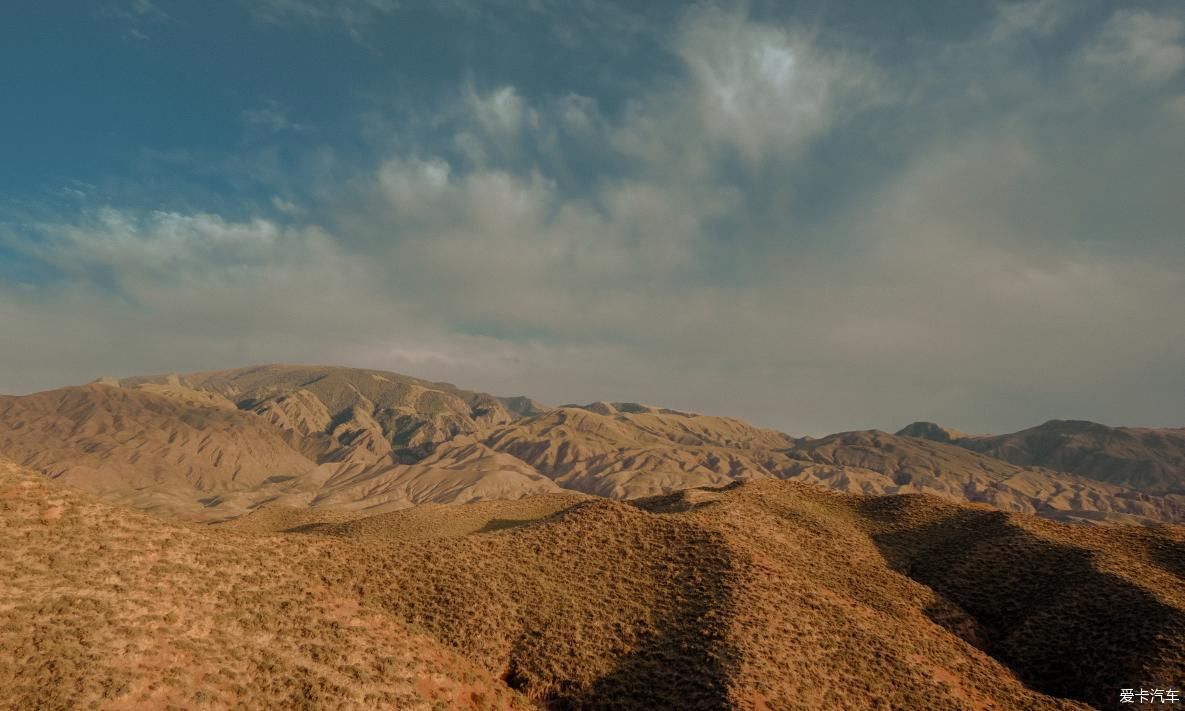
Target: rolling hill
758	595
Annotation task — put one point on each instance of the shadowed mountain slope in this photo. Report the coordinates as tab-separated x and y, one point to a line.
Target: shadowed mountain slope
760	595
1076	611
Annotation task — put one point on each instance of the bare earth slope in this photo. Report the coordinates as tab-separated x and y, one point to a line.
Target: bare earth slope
625	452
761	595
213	446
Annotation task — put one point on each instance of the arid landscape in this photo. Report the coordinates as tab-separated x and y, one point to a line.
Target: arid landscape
318	537
709	355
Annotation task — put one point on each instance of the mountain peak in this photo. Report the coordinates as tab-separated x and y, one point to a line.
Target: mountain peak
931	431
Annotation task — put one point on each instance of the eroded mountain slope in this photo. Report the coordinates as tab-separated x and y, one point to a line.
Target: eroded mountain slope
354	414
637	450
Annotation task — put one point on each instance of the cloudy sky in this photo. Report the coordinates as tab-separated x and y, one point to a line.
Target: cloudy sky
817	216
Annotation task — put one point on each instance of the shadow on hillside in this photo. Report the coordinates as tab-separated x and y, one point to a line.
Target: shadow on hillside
1065	627
1170	557
687	665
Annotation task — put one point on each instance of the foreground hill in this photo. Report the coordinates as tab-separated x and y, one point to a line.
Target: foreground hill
762	595
1145	459
104	607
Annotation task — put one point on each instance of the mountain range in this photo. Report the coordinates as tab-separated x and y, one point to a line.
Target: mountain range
217	445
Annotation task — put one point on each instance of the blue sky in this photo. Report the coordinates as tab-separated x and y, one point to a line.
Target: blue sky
817	216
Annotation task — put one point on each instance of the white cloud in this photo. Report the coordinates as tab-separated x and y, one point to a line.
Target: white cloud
754	91
501	112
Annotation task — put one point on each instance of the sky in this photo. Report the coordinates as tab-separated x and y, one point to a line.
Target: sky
816	216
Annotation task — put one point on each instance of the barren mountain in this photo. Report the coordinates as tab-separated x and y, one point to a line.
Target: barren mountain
931	431
217	445
1145	459
632	451
761	595
461	470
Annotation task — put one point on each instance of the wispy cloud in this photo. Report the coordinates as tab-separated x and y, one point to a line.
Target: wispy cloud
271	116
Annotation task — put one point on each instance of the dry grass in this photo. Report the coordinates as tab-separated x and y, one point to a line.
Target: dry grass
102	607
764	595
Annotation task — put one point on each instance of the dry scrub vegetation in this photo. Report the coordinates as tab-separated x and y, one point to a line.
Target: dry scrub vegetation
762	595
102	607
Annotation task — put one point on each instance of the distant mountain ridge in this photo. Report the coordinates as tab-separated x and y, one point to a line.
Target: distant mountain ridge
217	445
